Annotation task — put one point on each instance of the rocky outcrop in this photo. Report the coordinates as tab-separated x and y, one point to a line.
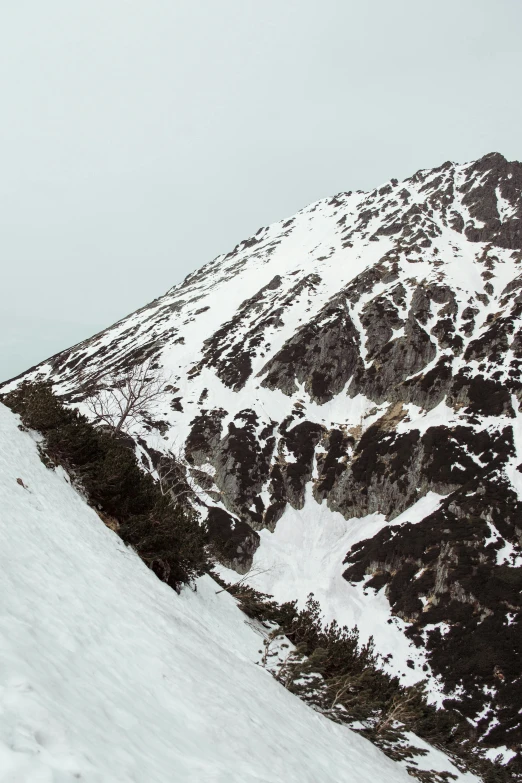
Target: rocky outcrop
232	541
496	178
233	346
447	578
299	443
322	355
242	462
204	436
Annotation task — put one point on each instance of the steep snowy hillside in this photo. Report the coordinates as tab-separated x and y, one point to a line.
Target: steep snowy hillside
344	392
108	675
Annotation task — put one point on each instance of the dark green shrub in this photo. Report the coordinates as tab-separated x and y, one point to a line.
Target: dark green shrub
169	540
342	678
166	536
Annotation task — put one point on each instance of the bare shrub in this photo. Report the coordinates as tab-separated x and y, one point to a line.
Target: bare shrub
121	403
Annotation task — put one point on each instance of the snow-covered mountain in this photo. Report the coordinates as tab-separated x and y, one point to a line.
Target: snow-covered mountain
344	390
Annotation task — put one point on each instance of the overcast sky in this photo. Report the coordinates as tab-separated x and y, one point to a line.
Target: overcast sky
141	138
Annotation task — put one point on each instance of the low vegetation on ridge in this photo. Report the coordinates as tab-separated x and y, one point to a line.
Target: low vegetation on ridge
332	671
166	535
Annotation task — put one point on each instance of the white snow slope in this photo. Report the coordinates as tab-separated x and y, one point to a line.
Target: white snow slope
106	675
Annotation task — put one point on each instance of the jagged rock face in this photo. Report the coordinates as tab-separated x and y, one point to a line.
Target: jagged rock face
322	355
444	577
367	350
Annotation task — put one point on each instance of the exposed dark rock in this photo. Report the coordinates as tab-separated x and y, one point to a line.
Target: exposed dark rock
204	436
300	441
389	471
232	540
482	396
321	355
231	348
444	570
394	362
332	465
242	466
482	201
379	318
202	479
427	390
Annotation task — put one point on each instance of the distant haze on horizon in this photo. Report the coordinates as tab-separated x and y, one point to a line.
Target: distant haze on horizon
140	140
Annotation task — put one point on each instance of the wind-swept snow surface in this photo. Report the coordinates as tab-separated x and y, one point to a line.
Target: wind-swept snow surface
106	675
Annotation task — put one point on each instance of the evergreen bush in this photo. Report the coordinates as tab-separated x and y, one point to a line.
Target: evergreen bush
165	535
343	679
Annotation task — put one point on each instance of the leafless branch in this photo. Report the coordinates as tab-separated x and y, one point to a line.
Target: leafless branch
401	709
122	400
172	478
249	575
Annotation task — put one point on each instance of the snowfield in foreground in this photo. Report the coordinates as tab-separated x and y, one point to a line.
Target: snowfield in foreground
107	675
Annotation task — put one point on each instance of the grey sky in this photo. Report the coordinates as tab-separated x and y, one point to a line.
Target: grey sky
140	139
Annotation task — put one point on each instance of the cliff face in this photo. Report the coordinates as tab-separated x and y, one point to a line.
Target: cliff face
365	354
